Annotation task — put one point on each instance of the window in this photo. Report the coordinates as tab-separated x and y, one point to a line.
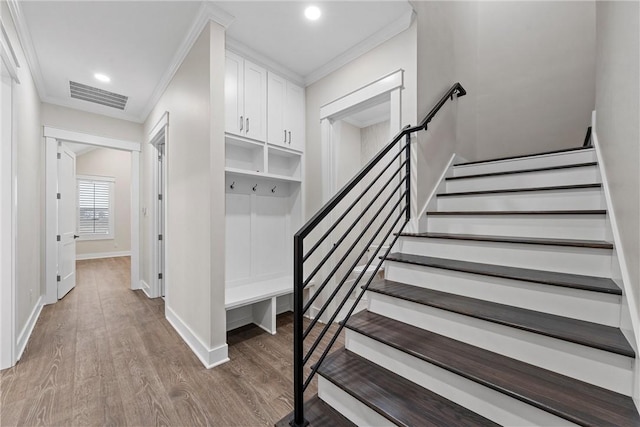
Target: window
95	207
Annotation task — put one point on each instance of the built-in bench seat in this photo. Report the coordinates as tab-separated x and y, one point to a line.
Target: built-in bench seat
259	300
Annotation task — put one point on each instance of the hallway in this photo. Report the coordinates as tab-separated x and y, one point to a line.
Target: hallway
105	355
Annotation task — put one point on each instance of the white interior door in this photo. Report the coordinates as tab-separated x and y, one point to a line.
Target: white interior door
66	220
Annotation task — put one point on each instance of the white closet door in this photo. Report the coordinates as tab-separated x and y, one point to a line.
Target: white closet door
294	116
234	94
255	101
276	90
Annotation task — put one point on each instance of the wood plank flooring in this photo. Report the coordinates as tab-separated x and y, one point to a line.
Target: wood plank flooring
105	355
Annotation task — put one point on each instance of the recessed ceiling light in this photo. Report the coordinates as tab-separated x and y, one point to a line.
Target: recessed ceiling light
101	77
312	13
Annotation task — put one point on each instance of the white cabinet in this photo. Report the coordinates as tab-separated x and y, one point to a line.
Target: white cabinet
245	98
285	113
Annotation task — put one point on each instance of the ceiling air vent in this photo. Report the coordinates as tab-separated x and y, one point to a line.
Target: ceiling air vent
98	96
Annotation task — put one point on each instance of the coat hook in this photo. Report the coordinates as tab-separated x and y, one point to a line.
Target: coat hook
233	185
254	187
273	190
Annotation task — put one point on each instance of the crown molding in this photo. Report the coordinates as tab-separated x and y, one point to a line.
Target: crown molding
255	56
207	12
24	37
376	39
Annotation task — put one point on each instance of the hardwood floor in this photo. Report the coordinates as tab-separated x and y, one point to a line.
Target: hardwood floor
105	355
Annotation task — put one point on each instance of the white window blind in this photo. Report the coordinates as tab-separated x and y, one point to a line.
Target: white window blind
95	208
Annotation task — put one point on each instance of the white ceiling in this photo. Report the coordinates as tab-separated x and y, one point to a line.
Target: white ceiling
139	43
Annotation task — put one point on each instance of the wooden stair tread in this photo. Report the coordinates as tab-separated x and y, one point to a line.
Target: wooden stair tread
401	401
574	400
575	281
319	414
595	244
559	212
548	168
589	334
521	190
522	156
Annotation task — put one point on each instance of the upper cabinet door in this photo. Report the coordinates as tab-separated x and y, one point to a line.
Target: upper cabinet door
276	93
295	116
234	94
255	101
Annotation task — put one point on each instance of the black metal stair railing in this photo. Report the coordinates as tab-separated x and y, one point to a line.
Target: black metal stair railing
387	195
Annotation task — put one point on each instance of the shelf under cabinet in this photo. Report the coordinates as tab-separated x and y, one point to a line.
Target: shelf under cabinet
244	172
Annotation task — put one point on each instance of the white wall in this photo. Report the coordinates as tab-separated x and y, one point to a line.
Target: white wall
30	174
195	193
115	164
397	53
528	67
618	129
94	124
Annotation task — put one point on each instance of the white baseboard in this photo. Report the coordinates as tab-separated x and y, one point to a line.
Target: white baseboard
415	225
23	338
98	255
145	288
209	357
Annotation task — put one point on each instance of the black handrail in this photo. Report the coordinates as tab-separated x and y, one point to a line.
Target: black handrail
402	206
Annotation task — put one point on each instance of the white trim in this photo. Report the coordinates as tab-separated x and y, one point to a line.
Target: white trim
51	220
164	121
23	338
370	92
135	219
85	138
209	357
438	188
376	39
617	240
144	286
255	56
27	46
161	127
8	54
208	12
100	255
96	178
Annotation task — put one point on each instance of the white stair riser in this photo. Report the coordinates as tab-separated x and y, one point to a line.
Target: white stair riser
567	302
552	200
532	162
585	261
482	400
589	227
602	368
349	406
551	178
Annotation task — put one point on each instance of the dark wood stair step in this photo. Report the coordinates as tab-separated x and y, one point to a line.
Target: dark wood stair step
521	190
567	280
522	156
593	244
502	213
574	400
319	414
401	401
589	334
549	168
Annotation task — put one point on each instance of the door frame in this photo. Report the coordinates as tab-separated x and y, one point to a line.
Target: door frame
389	86
154	289
52	136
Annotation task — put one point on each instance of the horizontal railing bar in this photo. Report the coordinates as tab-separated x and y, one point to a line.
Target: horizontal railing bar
352	226
337	198
353	204
344	279
353	245
341	325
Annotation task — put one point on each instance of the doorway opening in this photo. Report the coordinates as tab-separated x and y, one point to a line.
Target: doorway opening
158	138
82	208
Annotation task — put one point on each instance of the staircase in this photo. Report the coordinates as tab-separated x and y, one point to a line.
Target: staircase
501	312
